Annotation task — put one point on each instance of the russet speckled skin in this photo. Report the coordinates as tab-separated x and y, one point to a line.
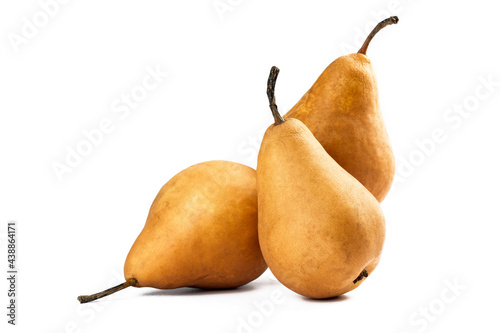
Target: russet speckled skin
201	231
319	228
342	111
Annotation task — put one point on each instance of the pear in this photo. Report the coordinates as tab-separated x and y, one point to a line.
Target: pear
201	232
321	231
342	111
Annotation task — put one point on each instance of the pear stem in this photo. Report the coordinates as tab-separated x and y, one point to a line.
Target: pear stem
378	27
89	298
271	84
360	277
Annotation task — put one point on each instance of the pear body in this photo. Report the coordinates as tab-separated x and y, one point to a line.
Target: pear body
201	231
319	228
342	111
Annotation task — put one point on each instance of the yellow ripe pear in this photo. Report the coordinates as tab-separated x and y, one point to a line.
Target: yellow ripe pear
342	111
321	231
201	232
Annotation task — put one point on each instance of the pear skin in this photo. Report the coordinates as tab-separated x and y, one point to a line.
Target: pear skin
321	231
342	110
201	232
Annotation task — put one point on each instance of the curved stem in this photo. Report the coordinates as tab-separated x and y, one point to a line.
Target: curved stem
89	298
378	27
271	84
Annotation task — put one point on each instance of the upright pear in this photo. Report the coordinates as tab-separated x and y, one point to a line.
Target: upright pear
201	232
342	111
321	231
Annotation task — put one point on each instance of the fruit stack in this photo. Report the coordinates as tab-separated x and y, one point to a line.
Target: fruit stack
310	212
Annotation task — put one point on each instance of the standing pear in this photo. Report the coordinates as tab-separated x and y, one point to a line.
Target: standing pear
321	231
342	111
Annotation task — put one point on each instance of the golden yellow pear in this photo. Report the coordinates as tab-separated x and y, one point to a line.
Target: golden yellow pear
321	231
201	232
342	111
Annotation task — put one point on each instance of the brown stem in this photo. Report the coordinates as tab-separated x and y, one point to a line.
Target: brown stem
378	27
360	277
271	84
89	298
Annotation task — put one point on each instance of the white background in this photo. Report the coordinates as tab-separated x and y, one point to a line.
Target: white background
442	213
